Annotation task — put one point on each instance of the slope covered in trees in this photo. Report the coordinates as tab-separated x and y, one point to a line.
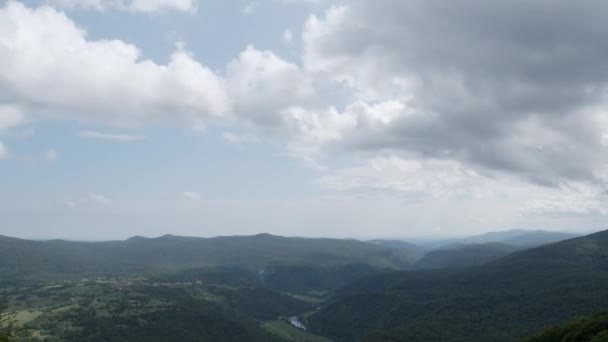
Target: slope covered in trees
460	256
509	298
24	259
581	329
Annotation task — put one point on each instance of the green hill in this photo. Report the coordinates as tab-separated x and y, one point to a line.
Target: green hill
460	256
287	278
520	237
503	300
582	329
23	259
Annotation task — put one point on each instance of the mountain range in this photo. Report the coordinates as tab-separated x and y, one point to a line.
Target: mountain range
508	298
480	288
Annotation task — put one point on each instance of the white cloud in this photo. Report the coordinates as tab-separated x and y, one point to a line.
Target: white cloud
314	130
315	31
51	154
298	2
43	54
10	116
70	204
432	181
368	88
3	151
146	6
110	136
571	198
437	178
261	84
193	196
99	199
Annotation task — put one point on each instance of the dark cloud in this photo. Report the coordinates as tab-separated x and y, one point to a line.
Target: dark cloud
503	84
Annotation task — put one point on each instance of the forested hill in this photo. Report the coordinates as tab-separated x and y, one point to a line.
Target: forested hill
580	329
460	256
39	258
515	237
509	298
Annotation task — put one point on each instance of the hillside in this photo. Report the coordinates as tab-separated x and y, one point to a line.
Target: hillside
27	259
507	299
519	237
285	278
581	329
460	256
538	237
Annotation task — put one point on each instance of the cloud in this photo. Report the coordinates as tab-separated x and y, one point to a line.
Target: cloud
300	2
261	84
110	136
508	93
145	6
311	131
10	116
3	151
193	196
484	82
43	54
449	181
51	155
437	178
99	199
578	199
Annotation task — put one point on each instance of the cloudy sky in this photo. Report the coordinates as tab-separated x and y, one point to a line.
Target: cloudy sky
337	118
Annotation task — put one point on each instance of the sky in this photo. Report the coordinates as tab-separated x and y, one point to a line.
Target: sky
357	119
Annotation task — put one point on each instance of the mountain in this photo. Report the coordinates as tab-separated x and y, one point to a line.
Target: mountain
503	300
27	259
538	237
397	244
459	256
582	329
518	237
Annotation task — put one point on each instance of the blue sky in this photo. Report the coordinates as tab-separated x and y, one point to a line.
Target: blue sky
294	117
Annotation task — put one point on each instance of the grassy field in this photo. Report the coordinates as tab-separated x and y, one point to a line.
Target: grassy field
25	316
290	333
58	311
308	299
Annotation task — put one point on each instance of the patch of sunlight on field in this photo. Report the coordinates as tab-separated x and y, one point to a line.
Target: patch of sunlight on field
66	308
25	316
39	334
288	332
308	299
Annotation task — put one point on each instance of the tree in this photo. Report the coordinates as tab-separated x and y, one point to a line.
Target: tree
7	327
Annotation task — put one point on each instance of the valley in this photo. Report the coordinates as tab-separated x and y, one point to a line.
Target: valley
188	289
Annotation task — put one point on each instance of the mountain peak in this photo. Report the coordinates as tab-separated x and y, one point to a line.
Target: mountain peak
137	238
265	236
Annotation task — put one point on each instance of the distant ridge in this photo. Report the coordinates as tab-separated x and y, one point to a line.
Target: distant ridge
26	258
517	237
